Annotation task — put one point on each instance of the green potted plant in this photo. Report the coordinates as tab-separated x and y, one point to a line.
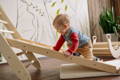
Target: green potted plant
109	23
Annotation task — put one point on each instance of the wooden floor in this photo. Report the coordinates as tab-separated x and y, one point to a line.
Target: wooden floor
50	71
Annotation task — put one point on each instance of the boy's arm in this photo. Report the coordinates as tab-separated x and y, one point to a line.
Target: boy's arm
59	43
75	43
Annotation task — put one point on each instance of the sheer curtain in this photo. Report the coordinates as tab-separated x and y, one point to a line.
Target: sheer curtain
33	18
36	16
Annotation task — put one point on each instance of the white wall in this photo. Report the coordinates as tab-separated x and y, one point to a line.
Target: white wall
34	17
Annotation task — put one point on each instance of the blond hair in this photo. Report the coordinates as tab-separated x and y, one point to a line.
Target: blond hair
61	19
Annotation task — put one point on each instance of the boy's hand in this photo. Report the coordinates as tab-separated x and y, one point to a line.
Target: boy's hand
66	53
52	48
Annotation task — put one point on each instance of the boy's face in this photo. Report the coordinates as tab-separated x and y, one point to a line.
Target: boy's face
61	28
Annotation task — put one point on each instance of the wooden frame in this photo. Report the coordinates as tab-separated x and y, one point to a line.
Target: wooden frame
16	35
102	48
12	60
99	48
114	50
4	22
40	49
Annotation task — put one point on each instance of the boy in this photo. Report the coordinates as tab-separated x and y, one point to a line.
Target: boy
76	41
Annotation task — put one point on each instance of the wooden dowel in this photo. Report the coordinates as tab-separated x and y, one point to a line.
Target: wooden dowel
6	31
4	22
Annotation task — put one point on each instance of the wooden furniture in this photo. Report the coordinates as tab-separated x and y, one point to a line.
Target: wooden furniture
9	54
71	71
99	48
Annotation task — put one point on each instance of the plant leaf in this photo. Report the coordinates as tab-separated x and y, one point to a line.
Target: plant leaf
62	1
58	11
107	21
117	19
53	4
66	7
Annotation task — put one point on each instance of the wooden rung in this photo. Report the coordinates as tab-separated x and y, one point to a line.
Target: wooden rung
99	54
104	44
101	50
4	22
6	31
30	63
102	53
106	53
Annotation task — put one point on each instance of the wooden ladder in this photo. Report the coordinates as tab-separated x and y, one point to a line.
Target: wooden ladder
10	55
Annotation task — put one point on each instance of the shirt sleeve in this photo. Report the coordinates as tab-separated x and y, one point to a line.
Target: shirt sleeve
59	43
75	42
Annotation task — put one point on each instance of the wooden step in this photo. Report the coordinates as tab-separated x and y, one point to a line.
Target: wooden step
68	71
6	31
